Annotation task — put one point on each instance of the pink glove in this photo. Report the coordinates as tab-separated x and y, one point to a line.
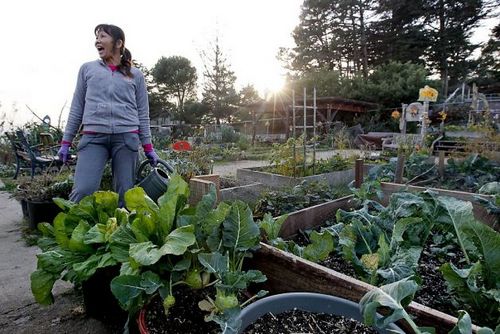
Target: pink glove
63	152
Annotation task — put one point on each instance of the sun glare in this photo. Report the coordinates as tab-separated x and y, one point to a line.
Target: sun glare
270	82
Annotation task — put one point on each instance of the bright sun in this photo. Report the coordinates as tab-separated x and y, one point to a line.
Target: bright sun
270	81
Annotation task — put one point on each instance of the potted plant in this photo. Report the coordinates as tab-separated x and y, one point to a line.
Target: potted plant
216	240
36	196
154	247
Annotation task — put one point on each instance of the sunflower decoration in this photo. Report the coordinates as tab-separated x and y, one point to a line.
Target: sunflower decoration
395	115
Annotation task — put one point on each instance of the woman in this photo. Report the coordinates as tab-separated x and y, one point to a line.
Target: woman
111	103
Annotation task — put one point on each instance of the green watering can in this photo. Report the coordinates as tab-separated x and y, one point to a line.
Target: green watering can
156	182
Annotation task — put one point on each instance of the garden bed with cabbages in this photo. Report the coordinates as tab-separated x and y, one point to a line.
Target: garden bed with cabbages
346	247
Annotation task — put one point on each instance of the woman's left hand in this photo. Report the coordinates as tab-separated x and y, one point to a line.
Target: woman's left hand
153	157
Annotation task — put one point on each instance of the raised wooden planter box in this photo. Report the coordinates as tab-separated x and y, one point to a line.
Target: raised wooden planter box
286	272
248	192
480	212
277	181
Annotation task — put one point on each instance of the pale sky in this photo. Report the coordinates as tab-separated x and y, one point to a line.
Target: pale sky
44	42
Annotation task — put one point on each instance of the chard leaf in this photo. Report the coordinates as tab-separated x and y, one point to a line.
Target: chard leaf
145	253
96	234
42	283
144	227
127	290
214	218
320	247
459	213
240	231
84	270
402	264
394	296
64	204
77	241
151	282
85	210
406	204
487	242
136	199
171	203
272	226
413	231
46	229
57	260
60	230
176	243
106	201
121	215
214	262
120	242
179	240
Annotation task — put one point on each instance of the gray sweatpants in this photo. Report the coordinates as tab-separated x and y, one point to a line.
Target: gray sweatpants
94	150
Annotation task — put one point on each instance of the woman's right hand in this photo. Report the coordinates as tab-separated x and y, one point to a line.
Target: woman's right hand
63	152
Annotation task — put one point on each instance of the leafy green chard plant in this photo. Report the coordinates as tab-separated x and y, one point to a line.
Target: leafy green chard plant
157	246
220	239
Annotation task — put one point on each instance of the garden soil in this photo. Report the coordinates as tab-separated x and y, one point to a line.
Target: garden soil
19	313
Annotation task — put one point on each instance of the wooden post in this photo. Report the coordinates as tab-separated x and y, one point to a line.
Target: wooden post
441	165
358	173
305	132
400	165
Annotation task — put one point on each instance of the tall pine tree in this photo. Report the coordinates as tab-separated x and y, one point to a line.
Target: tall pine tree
219	93
450	24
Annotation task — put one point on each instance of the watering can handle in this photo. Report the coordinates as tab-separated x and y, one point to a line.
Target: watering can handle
143	164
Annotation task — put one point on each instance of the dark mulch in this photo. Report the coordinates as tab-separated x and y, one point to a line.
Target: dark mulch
184	317
296	321
228	183
433	289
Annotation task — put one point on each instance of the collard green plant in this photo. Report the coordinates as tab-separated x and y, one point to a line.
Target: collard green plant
477	286
394	297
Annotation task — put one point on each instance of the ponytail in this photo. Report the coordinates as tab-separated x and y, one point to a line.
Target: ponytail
126	63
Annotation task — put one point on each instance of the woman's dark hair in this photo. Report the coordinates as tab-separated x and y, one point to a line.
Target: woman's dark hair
117	34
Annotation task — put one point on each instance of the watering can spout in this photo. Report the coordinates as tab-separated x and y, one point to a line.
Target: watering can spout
156	182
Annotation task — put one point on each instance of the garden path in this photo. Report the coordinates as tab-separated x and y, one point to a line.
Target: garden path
19	313
228	169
